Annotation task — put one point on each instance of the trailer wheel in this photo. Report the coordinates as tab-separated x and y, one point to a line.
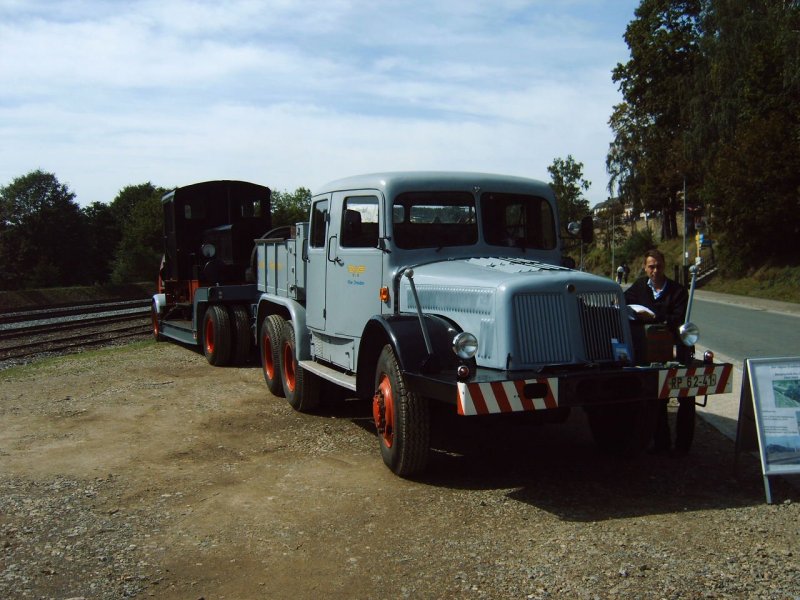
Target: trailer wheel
217	336
401	418
241	334
624	429
302	389
156	321
270	351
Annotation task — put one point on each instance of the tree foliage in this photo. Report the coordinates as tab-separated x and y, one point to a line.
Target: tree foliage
289	208
139	213
568	186
711	97
41	233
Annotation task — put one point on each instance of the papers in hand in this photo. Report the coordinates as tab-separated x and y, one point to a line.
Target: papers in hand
634	309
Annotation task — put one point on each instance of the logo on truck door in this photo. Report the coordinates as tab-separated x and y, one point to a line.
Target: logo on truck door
356	271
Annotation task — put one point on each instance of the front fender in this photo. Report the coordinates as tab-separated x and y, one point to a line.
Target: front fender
404	333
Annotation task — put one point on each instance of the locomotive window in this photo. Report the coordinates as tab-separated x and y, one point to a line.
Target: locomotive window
319	217
250	208
194	209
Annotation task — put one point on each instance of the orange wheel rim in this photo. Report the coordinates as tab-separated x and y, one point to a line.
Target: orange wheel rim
269	362
383	410
209	336
288	366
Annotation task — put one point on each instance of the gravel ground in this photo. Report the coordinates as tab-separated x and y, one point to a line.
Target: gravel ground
141	471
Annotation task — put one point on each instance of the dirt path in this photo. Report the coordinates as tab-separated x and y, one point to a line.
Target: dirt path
143	471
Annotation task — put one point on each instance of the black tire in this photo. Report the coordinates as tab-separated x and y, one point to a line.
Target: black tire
402	419
302	389
624	429
241	334
270	351
217	336
156	321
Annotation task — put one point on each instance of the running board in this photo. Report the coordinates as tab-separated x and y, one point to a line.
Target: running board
337	377
180	331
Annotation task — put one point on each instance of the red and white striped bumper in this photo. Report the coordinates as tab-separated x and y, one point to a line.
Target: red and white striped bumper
494	397
694	381
505	396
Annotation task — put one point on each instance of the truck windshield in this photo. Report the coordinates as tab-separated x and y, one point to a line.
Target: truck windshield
517	220
434	220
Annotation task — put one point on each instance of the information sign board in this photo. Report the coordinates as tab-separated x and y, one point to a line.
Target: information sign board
770	403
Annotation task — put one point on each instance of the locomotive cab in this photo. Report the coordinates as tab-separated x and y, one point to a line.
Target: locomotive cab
209	229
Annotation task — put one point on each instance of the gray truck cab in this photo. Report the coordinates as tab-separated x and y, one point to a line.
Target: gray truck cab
451	228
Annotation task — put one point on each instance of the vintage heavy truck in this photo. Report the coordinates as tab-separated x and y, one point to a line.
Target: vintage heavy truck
411	288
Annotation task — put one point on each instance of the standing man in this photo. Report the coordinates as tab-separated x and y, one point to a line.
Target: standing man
666	299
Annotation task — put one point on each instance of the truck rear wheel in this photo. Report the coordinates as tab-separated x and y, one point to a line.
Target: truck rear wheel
270	351
241	334
217	336
624	429
301	389
401	418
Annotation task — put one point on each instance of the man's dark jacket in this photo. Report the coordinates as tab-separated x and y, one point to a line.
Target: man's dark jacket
670	308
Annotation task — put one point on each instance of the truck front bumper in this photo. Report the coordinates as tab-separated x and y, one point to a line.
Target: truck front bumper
491	392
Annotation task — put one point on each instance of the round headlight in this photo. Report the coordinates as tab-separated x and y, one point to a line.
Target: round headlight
689	334
465	345
208	250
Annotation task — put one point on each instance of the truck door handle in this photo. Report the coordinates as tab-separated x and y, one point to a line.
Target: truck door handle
336	260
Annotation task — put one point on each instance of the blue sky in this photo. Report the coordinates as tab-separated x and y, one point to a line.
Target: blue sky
287	93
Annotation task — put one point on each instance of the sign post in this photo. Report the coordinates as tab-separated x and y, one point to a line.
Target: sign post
769	415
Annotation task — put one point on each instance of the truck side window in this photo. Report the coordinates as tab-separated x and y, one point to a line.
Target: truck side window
360	222
319	217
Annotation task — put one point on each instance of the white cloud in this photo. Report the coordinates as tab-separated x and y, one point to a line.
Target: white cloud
293	93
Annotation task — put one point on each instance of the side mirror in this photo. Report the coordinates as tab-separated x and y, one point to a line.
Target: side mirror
584	229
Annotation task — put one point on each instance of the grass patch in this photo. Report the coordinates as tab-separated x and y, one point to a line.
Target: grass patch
41	364
773	283
770	282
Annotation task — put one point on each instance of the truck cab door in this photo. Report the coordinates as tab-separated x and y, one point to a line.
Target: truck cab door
355	271
317	264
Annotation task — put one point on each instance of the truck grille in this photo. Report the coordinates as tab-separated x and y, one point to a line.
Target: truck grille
600	322
543	328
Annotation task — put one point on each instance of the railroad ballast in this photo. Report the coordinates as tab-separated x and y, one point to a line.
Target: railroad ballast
409	288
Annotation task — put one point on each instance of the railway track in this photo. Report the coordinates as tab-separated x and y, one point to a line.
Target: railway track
46	331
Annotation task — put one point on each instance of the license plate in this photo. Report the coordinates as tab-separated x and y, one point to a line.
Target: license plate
688	382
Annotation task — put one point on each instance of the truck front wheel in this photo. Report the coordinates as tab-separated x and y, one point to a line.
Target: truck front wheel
401	418
624	429
270	351
302	389
217	336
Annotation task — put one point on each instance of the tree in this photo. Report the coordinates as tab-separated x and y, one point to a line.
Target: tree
568	185
290	208
648	159
42	233
747	130
102	238
712	97
138	208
